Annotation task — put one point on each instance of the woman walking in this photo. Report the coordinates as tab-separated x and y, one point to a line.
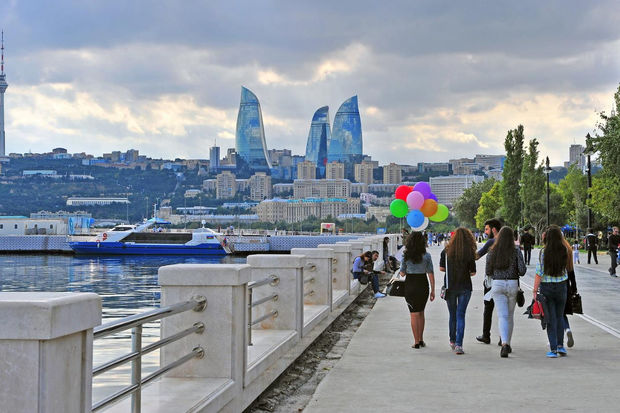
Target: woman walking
505	264
551	283
417	265
459	258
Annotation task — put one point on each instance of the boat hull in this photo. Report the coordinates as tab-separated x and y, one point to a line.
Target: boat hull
125	248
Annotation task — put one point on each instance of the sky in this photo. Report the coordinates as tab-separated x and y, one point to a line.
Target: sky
436	80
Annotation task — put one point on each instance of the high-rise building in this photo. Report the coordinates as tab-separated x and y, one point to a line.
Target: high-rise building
306	170
363	172
225	185
392	174
214	158
260	186
250	135
449	188
345	144
334	170
3	86
575	155
319	135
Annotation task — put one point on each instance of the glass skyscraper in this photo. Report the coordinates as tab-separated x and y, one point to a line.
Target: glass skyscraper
345	144
319	135
250	135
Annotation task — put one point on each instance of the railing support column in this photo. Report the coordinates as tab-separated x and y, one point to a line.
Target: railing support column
46	351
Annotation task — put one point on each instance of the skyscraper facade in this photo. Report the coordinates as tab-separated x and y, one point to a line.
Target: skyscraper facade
250	135
214	158
319	135
345	144
3	86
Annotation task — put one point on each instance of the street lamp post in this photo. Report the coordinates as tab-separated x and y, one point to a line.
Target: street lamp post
547	172
588	152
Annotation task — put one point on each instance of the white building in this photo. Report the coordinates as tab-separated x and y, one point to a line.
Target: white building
28	226
260	186
392	174
449	188
306	170
296	210
226	186
334	170
79	201
363	172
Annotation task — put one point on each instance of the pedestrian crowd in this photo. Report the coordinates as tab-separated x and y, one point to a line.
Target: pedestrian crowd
508	254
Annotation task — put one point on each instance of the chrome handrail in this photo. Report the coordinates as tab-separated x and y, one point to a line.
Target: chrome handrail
135	322
198	303
272	280
270	314
271	297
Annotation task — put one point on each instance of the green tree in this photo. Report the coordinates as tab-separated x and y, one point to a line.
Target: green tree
532	191
490	203
511	202
605	189
574	191
466	206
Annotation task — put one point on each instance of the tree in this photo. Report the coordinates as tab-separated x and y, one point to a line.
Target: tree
605	189
574	191
511	202
490	203
532	191
466	207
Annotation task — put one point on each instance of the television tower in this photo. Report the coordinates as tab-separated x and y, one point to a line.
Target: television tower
3	86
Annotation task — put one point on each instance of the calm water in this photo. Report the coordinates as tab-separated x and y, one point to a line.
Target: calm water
127	286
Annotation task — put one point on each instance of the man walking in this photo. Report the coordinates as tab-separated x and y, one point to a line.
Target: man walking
527	242
612	242
491	228
591	245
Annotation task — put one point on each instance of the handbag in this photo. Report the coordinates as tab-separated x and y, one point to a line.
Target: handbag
520	293
444	288
576	303
395	289
537	310
364	278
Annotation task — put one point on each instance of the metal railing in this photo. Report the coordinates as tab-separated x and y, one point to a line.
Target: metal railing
272	280
135	323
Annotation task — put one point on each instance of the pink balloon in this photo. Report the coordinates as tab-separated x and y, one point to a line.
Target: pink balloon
424	188
415	200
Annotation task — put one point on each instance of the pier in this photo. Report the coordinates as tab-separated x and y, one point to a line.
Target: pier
255	319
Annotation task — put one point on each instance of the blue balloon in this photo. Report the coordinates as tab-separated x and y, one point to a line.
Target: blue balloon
415	218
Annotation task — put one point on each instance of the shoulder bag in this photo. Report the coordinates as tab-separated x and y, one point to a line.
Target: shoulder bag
576	303
395	289
442	294
520	293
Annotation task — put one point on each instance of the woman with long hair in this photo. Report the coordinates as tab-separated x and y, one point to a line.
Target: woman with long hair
458	260
505	264
359	264
417	265
551	283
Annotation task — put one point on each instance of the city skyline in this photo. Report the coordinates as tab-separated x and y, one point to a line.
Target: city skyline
438	80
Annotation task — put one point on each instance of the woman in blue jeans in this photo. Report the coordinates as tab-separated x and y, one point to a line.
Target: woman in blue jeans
505	264
459	258
551	283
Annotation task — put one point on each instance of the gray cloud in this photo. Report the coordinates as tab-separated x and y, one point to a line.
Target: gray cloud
455	76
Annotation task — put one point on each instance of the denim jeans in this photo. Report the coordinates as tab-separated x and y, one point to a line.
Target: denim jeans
553	305
457	306
374	279
505	296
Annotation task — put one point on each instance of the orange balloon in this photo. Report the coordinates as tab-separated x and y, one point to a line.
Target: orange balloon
429	207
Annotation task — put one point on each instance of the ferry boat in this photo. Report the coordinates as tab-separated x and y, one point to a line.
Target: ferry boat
148	238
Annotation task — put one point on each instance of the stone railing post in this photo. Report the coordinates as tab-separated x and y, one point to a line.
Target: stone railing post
341	266
46	351
223	340
317	265
289	305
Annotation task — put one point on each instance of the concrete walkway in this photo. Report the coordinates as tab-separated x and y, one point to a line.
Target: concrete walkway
380	371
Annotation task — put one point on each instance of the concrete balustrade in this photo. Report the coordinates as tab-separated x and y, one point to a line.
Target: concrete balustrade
313	288
46	349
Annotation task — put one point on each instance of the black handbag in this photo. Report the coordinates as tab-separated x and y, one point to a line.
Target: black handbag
576	303
520	293
396	289
364	278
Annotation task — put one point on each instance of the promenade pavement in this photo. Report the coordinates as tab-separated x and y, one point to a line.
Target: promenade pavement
380	371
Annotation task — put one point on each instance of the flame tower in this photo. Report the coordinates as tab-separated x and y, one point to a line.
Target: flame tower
3	86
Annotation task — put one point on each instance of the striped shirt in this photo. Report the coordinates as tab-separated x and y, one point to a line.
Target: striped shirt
548	278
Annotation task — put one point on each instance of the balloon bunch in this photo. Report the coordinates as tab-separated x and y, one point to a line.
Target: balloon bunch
419	205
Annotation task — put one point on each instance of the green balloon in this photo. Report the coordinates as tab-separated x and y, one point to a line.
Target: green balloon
441	214
399	208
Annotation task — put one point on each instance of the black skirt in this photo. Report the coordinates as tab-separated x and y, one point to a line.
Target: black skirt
416	292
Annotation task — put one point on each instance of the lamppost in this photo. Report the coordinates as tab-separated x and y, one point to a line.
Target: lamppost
588	152
547	172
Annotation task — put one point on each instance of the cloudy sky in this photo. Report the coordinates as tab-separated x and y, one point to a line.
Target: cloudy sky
435	79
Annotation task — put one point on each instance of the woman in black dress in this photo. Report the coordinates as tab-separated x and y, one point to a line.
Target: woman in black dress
417	264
